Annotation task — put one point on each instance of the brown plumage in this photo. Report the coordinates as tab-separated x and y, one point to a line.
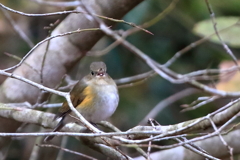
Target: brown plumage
95	97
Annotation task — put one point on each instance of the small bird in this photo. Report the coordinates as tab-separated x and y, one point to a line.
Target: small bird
95	96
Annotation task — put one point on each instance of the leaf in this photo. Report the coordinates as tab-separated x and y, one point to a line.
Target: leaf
229	81
228	29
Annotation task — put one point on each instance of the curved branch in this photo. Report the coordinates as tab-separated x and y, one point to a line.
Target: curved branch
63	53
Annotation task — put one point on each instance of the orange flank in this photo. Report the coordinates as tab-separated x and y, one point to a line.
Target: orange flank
88	99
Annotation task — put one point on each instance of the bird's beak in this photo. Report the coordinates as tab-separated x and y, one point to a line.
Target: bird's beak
101	74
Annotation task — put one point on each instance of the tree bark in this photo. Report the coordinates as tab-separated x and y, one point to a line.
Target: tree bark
63	53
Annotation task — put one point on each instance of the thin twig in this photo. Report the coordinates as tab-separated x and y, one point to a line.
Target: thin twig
195	150
47	39
206	136
64	141
66	150
35	150
166	102
58	4
193	45
131	31
225	46
230	149
209	100
19	59
138	77
17	29
72	11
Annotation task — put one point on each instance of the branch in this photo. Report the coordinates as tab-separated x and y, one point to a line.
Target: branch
213	145
63	53
139	132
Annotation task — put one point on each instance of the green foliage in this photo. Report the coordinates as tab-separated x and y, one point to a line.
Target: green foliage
228	28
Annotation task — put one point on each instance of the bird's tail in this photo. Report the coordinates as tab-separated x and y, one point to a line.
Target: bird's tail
57	128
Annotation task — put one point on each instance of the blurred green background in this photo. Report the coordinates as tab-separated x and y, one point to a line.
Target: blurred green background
171	34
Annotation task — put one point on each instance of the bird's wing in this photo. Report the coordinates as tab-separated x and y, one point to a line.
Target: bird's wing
77	97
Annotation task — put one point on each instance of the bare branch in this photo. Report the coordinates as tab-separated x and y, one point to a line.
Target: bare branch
66	150
46	40
58	4
18	29
166	102
225	46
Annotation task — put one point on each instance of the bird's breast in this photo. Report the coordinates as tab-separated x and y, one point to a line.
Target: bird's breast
100	102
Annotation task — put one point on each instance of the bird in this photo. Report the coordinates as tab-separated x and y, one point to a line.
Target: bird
95	97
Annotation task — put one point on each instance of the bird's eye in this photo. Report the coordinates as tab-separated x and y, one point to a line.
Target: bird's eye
92	73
